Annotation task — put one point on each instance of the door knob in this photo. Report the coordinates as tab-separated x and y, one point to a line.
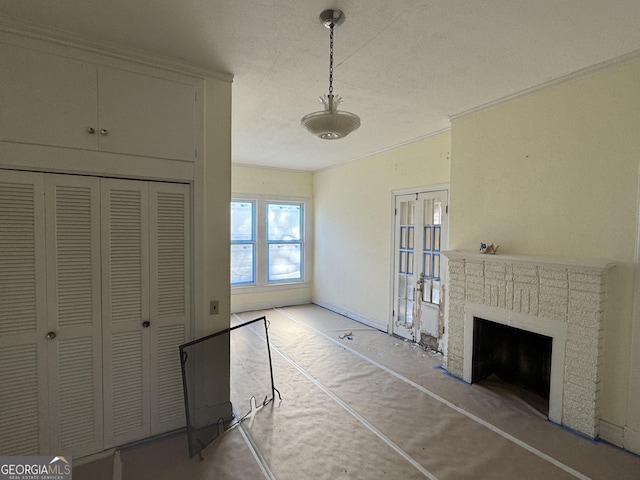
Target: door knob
51	335
146	324
104	131
91	130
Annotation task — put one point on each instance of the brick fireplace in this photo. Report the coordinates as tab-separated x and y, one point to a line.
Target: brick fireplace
563	299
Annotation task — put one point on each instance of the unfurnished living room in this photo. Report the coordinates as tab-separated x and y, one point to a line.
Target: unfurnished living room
351	239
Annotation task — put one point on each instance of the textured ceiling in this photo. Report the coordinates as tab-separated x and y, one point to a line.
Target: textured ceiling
404	66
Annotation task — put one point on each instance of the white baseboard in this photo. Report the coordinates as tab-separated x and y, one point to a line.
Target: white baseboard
372	322
632	440
93	457
612	433
251	307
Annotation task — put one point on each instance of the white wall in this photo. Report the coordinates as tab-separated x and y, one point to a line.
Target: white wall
217	195
556	173
353	224
268	181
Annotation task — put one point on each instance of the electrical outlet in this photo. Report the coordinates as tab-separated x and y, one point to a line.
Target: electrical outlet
213	307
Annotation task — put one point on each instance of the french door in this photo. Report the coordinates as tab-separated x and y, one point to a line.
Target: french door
421	231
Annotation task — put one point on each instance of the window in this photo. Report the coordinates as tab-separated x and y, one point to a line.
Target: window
243	245
267	241
284	240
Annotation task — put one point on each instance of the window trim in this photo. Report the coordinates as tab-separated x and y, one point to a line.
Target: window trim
261	282
253	241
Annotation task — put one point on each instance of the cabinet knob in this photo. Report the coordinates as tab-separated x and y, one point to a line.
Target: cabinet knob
91	130
104	131
51	335
146	324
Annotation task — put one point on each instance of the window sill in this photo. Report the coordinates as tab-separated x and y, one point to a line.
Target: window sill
270	287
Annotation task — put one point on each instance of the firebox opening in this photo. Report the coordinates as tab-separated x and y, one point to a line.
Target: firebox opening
515	356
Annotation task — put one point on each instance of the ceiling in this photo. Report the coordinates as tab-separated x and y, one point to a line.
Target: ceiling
404	66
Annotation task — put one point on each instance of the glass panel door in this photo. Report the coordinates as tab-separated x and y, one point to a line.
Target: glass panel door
405	281
421	231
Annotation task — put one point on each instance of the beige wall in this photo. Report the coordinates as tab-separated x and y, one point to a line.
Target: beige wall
217	195
556	173
212	194
352	209
265	181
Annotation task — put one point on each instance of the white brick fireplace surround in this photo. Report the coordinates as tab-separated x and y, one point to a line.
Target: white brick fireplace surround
560	298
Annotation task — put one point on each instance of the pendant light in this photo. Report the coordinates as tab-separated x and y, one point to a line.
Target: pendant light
330	123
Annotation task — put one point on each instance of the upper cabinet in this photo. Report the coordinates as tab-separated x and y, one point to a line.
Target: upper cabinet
47	99
143	115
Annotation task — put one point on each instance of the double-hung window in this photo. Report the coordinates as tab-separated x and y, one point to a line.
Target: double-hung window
267	241
243	243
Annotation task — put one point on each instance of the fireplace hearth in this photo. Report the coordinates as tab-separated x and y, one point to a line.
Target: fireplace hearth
562	300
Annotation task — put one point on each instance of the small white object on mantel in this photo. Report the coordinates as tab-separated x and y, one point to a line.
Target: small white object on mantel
491	248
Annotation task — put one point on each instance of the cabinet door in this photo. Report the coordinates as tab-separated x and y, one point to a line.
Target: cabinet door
125	309
170	301
144	115
23	362
47	99
73	309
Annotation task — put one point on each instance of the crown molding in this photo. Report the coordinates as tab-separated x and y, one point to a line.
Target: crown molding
61	37
556	81
269	167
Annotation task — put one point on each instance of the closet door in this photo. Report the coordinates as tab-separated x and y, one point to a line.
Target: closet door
73	309
146	306
125	310
170	301
23	327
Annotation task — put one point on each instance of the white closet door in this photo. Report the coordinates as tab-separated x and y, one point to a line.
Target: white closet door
170	301
125	310
23	363
73	306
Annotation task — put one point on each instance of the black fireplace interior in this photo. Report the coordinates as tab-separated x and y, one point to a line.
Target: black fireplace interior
516	356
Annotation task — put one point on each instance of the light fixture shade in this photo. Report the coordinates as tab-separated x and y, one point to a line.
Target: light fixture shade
331	124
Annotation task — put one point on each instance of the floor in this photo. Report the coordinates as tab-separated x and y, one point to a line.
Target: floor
366	407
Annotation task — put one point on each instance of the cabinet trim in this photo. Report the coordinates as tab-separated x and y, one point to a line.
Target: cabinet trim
22	33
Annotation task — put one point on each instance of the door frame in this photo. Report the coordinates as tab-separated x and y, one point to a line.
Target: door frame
394	194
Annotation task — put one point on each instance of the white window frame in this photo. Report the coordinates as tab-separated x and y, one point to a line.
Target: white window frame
261	282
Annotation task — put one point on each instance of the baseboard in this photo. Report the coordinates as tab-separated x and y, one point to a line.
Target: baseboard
252	307
93	457
632	440
371	322
612	433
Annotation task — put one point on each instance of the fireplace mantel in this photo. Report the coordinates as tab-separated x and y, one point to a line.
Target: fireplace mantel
579	263
563	298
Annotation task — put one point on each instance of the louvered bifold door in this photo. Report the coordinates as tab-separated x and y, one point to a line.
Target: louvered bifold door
73	306
170	292
23	364
125	310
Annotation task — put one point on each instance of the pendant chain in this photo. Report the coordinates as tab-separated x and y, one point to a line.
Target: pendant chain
331	61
